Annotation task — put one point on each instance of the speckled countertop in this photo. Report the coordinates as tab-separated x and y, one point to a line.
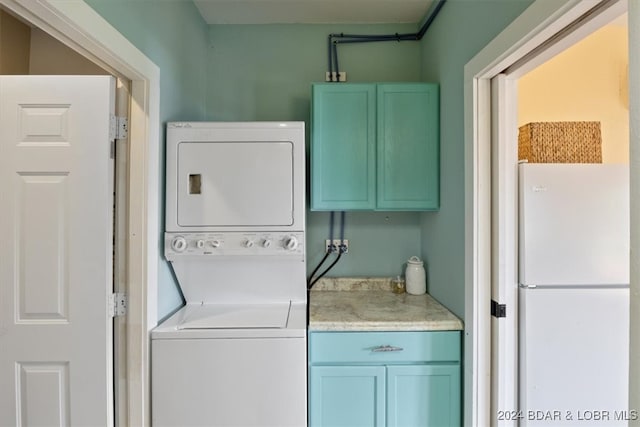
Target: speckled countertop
368	304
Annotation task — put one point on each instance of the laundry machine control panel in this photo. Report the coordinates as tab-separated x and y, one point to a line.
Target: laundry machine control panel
177	245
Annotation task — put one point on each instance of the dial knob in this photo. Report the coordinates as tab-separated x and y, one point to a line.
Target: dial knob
215	243
248	243
200	244
266	243
290	243
179	244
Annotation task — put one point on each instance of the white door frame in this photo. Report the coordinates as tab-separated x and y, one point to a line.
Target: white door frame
504	247
532	29
78	26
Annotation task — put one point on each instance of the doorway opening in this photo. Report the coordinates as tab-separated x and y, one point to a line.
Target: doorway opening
584	81
26	50
79	27
538	34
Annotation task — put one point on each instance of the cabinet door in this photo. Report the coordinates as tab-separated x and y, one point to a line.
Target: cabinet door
408	146
423	395
343	147
347	396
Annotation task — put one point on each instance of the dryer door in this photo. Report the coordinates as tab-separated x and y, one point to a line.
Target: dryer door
235	184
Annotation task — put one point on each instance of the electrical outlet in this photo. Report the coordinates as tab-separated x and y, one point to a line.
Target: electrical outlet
342	75
336	243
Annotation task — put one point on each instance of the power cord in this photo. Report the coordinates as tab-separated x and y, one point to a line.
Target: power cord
341	249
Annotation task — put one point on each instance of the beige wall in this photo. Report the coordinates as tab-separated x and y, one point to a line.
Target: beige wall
14	45
49	56
587	82
25	50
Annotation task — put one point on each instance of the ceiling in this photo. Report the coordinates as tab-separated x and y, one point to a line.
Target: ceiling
312	11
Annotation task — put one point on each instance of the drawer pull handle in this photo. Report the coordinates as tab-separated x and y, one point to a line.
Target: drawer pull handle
382	348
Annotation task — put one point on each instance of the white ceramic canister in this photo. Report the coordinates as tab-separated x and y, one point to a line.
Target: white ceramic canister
415	276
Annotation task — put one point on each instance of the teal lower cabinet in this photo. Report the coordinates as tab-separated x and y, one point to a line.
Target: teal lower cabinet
423	395
377	379
348	396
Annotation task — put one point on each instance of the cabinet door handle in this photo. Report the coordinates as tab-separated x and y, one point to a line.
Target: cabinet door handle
382	348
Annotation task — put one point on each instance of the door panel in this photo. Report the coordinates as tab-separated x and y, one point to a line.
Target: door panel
343	142
56	189
258	199
423	395
408	146
43	390
347	396
42	293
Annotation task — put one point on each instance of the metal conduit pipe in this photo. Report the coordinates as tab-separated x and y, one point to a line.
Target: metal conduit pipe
335	39
399	39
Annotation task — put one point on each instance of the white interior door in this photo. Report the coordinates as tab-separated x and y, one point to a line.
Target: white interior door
56	193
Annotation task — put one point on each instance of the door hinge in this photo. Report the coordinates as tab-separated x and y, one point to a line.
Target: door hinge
117	304
118	127
498	310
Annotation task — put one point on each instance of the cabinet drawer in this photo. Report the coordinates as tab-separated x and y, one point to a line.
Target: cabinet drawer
384	347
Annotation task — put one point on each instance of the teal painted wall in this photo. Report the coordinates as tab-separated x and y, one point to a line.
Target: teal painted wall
460	31
264	72
175	37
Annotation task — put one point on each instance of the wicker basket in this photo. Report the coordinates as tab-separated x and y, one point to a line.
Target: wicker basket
560	142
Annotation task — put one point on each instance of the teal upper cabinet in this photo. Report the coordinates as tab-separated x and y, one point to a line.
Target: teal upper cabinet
407	146
343	147
375	146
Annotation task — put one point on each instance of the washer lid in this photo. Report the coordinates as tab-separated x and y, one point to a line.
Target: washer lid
236	316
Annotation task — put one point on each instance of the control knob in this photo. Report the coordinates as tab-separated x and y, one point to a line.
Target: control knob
215	244
291	243
266	243
179	244
248	243
200	244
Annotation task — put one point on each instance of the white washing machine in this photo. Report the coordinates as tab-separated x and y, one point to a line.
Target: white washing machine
235	354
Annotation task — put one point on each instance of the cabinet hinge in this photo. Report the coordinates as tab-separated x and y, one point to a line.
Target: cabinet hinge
118	127
117	304
498	310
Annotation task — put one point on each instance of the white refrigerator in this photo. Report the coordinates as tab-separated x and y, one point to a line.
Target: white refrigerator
574	294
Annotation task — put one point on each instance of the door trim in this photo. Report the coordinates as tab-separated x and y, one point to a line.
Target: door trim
534	27
504	248
78	26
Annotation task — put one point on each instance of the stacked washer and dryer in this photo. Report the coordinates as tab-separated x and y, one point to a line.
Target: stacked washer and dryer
235	354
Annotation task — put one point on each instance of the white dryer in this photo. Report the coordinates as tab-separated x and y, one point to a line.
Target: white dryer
235	354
